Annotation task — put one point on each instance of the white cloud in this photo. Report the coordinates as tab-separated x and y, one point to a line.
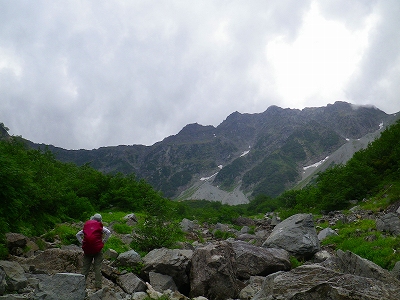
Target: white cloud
85	74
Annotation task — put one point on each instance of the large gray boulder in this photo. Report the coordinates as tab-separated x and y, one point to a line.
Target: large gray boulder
297	235
162	282
350	263
129	259
312	282
389	223
252	260
61	286
213	273
14	275
131	283
172	262
55	260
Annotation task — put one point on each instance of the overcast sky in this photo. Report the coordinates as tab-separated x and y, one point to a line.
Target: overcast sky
86	74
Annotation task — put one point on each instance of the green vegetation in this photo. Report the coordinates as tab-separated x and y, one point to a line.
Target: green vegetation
42	195
363	239
372	171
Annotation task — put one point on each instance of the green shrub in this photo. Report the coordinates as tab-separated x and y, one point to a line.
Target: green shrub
294	262
65	233
153	232
116	244
122	228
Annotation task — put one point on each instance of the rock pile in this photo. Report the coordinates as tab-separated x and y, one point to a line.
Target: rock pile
251	266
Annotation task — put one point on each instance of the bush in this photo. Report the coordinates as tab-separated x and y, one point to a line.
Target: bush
122	228
116	244
153	232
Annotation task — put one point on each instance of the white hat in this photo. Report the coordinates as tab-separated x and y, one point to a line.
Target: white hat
97	217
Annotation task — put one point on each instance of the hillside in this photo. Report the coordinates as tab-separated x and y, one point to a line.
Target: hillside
246	155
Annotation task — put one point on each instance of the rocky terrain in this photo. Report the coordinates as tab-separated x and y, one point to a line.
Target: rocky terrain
248	265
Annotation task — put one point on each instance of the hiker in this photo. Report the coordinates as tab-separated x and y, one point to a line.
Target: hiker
92	237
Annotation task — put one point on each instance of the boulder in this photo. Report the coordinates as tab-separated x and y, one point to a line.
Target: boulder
324	233
161	282
252	260
131	219
61	286
318	282
129	259
188	225
14	275
321	256
252	288
131	283
350	263
172	262
56	260
297	235
396	270
213	273
390	223
16	243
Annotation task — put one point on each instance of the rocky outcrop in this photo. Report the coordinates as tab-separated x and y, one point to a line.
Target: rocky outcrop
214	273
257	261
390	223
318	282
297	235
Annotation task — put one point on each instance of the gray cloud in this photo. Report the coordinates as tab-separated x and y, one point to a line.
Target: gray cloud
85	74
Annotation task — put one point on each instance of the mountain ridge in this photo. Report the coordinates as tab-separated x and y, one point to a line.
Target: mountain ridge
245	155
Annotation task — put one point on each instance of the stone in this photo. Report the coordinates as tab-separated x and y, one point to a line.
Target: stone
324	233
252	260
297	235
161	282
129	259
61	286
213	273
390	223
14	275
131	283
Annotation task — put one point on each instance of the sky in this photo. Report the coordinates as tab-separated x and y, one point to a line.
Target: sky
83	74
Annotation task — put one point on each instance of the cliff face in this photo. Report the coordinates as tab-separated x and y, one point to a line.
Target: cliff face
245	155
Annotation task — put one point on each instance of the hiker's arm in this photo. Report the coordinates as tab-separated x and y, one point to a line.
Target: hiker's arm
79	236
106	234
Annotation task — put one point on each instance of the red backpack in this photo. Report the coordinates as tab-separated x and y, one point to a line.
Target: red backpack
92	237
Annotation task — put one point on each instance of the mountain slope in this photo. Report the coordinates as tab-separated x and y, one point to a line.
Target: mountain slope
245	155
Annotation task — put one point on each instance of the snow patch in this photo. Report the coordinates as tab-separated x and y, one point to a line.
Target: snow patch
220	167
208	178
317	164
347	139
244	153
380	126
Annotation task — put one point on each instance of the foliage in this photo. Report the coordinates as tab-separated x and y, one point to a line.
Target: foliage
294	262
153	232
66	234
363	239
122	228
116	244
37	191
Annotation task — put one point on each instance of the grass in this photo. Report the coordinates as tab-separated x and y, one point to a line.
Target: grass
116	244
122	228
65	233
363	239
